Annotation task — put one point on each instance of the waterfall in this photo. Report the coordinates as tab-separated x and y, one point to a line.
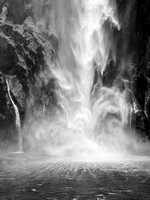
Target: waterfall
84	48
18	124
92	117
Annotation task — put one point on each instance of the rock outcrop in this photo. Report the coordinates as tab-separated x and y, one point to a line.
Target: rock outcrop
22	63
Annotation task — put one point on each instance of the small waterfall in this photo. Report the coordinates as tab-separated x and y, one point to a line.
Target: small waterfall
18	124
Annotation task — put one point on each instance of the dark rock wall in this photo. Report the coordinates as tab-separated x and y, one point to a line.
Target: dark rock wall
133	52
18	11
22	63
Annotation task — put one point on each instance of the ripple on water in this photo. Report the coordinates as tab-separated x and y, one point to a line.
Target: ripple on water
26	176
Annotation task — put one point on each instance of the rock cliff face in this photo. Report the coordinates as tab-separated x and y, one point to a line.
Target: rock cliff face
17	11
23	48
133	55
21	63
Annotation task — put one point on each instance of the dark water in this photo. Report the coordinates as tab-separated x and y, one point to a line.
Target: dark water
29	177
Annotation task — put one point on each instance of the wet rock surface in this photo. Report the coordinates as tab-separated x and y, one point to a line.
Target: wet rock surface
21	59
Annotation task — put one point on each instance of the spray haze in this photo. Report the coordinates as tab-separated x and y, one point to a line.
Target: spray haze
91	120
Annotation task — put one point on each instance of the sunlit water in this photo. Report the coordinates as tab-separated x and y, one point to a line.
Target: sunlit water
29	177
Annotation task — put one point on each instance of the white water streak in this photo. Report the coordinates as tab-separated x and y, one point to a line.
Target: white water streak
18	123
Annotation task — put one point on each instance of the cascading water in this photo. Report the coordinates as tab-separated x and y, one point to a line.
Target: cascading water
17	116
93	118
83	44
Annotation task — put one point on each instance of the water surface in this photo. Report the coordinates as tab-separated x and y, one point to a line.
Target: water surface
30	177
